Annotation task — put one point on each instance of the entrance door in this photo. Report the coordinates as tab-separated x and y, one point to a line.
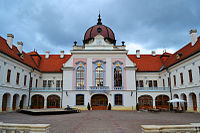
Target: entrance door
145	102
99	102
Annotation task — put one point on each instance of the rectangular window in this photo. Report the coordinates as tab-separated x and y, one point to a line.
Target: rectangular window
190	75
150	83
50	83
79	99
169	82
181	76
118	99
57	83
31	82
174	80
17	79
36	83
155	84
25	80
8	75
163	82
44	83
141	83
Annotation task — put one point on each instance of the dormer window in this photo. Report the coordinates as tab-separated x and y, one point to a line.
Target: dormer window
178	55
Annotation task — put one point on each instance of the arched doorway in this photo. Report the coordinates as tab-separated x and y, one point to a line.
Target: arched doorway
6	101
22	102
193	101
15	102
99	102
184	97
162	102
37	102
53	101
145	102
177	104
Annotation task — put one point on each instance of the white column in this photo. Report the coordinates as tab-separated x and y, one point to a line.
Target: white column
18	102
198	102
4	73
45	102
1	99
9	103
108	73
189	106
89	73
25	104
154	102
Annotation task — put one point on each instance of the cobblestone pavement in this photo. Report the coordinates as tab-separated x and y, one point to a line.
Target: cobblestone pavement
102	121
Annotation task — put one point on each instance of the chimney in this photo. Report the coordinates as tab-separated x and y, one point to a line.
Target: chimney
193	35
62	54
138	54
19	46
47	55
153	53
10	40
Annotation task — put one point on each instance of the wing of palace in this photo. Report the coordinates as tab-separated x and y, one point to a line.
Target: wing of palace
99	73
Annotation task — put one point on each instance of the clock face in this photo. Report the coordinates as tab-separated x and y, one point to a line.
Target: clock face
99	30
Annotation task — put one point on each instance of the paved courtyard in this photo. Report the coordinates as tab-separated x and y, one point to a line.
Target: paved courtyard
102	121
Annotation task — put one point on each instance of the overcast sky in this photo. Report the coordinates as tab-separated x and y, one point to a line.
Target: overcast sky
143	24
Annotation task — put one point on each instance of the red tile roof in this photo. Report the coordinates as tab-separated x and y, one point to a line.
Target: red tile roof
183	53
13	53
53	64
33	59
36	57
146	63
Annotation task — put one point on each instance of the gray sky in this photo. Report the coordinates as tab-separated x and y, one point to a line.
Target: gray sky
143	24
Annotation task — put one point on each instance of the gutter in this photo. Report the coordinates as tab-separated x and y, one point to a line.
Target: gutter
62	92
170	88
29	88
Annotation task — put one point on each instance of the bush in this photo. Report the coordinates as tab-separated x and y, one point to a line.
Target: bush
109	106
171	107
137	107
88	106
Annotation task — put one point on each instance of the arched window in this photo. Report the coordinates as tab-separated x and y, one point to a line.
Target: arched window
80	78
99	76
118	99
79	99
117	77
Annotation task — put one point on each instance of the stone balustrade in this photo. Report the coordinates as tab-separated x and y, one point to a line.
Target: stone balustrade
153	89
24	128
46	89
190	128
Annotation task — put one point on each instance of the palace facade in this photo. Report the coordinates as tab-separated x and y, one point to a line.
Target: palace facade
99	72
